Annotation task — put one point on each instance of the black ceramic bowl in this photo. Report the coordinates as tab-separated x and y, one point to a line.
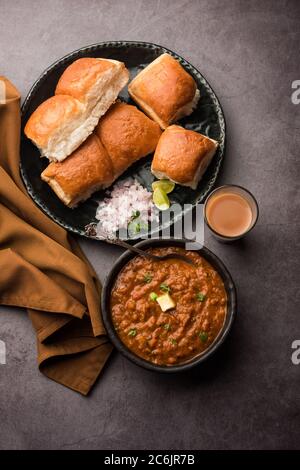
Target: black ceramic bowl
106	313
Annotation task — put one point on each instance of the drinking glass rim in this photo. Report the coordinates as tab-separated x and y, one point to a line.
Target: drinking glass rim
231	186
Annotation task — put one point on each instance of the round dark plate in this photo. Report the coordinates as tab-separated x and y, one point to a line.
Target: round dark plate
208	119
106	313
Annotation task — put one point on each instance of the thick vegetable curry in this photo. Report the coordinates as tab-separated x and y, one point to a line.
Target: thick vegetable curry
168	312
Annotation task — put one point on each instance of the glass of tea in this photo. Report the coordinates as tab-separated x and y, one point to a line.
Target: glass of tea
230	212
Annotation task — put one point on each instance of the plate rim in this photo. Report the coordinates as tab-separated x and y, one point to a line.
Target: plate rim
120	43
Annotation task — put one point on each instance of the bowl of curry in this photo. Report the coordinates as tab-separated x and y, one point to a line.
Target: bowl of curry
168	316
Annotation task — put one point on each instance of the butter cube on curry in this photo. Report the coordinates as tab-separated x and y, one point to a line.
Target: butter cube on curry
166	302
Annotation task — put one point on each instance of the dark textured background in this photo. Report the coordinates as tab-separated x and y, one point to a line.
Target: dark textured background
248	395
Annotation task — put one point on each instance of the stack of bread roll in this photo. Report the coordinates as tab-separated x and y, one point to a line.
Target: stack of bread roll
91	138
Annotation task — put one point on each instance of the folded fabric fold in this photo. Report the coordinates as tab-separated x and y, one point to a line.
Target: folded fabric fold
23	285
44	270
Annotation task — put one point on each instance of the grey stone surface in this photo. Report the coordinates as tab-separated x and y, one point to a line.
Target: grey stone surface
248	395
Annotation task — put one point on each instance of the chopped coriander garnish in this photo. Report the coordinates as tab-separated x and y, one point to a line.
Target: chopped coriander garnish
148	278
132	332
203	336
173	341
135	214
165	287
134	227
153	296
200	296
167	326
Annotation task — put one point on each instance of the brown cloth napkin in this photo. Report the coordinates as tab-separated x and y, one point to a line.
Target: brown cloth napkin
43	269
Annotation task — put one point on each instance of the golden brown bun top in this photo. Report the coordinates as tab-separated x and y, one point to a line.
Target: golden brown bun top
44	119
164	86
82	170
179	153
127	134
81	75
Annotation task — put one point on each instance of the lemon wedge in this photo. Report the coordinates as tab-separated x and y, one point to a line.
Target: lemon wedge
161	200
165	185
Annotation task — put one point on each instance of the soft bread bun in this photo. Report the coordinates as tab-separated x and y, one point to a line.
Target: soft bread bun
182	156
165	91
87	170
53	114
127	134
123	136
84	92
